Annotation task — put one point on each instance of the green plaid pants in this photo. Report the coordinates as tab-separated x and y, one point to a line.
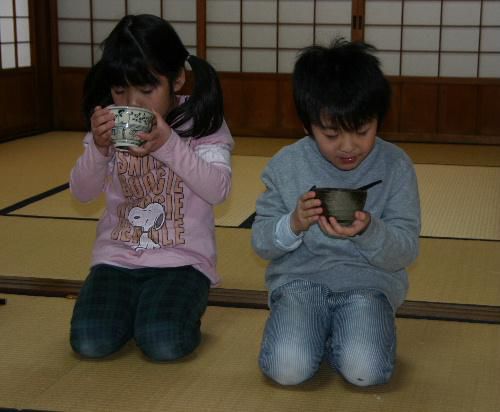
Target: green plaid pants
161	308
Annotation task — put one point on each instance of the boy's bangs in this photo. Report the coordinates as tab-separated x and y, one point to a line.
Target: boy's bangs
347	120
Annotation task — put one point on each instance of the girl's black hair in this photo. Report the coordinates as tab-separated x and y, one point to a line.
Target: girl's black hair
139	49
341	85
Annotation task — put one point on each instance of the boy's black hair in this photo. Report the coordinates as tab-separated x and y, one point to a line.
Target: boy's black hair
341	86
137	50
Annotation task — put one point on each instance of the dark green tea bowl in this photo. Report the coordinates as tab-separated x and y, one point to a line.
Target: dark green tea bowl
341	203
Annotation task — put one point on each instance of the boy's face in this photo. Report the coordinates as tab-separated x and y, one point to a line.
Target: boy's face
345	150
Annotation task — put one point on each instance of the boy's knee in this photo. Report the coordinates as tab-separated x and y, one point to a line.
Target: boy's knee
287	367
366	370
367	377
174	341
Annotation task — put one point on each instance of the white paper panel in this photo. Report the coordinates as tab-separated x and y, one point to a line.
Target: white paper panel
490	39
97	53
458	65
102	30
421	38
109	9
6	29
461	13
74	31
23	29
419	64
224	59
71	55
24	55
295	36
8	56
259	35
491	13
260	11
223	35
489	65
326	34
384	38
286	60
144	7
6	8
223	10
259	61
383	12
75	9
425	12
22	8
187	32
389	62
460	39
333	12
179	10
296	11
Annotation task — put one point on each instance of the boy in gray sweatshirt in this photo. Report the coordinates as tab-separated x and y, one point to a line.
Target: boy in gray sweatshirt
334	289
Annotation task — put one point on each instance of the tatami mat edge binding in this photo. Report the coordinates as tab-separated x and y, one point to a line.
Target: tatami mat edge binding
255	299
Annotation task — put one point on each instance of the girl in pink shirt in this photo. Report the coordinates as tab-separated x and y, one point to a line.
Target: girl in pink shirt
154	256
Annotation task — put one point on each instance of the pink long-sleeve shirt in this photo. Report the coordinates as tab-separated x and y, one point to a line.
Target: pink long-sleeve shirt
159	208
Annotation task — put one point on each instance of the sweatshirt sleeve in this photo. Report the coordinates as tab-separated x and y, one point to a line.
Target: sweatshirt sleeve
88	176
270	210
391	242
203	164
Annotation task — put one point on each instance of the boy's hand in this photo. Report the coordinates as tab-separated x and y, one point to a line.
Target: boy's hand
159	135
333	228
306	213
101	123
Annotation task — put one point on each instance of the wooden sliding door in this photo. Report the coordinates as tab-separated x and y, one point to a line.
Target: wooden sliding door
25	62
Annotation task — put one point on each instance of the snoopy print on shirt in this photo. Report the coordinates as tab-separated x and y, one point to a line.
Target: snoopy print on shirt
151	217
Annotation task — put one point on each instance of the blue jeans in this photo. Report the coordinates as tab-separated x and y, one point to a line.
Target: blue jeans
354	330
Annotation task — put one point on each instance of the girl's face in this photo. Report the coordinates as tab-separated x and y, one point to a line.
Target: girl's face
158	97
345	150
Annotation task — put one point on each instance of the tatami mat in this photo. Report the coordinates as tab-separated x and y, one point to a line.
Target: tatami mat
434	153
457	201
451	271
33	165
441	367
246	187
460	201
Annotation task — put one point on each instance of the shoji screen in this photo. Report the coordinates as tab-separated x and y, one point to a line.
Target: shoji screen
15	45
265	35
436	38
84	24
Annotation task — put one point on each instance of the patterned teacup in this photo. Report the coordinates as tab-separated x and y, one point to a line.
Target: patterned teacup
128	122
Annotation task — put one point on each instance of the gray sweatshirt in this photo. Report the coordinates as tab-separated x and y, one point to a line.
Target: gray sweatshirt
377	258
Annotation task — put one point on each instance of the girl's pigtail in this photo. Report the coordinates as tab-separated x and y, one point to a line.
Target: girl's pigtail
205	106
96	92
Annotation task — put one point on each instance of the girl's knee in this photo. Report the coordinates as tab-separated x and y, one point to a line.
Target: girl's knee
168	343
94	348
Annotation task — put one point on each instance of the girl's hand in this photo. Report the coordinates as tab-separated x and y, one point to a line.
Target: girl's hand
333	228
306	213
101	123
159	135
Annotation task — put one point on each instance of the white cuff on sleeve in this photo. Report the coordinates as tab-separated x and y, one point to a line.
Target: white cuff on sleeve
284	236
